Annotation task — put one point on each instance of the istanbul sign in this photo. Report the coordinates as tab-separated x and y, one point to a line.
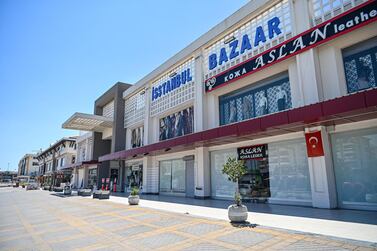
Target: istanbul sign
339	25
173	83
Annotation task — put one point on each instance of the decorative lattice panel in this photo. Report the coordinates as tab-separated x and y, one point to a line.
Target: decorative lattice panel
178	96
280	10
134	109
323	10
108	110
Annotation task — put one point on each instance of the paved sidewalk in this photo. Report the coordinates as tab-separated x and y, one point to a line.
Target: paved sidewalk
334	228
39	220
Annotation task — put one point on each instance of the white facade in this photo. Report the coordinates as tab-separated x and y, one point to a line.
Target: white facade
28	165
82	170
311	76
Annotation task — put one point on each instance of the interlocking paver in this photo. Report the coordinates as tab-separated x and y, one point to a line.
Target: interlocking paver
201	228
18	244
80	242
134	230
159	240
312	246
244	238
76	223
168	221
113	225
206	247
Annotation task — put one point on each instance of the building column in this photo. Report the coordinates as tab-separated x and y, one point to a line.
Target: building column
308	87
199	94
147	120
86	173
202	173
322	178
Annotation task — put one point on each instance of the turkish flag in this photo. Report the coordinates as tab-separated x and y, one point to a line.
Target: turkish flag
314	144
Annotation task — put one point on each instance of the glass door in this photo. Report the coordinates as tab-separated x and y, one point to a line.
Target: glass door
172	176
255	184
165	176
178	180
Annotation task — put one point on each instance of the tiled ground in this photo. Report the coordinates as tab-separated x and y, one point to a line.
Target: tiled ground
37	220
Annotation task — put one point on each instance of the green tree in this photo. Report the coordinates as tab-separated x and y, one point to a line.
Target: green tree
235	169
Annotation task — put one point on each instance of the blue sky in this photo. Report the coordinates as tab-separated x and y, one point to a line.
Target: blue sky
57	57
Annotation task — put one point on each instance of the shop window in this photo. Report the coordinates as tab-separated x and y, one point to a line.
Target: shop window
137	137
177	124
92	177
355	165
269	96
221	187
289	171
360	65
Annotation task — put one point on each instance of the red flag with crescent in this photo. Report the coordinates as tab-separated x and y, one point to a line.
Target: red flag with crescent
314	144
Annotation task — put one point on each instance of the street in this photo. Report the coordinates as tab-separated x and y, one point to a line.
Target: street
41	220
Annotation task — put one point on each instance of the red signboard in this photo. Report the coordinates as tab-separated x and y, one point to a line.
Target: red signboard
314	144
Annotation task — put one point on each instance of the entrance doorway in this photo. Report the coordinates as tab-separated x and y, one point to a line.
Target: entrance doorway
172	176
190	176
255	184
114	178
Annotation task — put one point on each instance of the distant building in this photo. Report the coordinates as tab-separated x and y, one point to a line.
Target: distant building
6	176
28	165
55	162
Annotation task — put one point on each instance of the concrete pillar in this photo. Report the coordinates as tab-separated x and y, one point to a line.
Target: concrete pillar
202	173
147	119
322	179
86	174
118	141
332	70
199	94
308	73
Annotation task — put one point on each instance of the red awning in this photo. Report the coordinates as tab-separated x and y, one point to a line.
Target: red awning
83	163
347	109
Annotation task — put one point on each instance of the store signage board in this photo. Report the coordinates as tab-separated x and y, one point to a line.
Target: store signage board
173	83
337	26
252	152
135	168
237	48
314	144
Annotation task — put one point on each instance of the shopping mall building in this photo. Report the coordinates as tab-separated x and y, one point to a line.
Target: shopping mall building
288	86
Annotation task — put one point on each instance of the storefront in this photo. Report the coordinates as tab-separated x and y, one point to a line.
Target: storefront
280	174
282	84
355	165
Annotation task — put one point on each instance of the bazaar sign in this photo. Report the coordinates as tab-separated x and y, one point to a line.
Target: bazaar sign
339	25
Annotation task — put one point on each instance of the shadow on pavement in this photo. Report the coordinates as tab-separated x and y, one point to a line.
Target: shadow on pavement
346	215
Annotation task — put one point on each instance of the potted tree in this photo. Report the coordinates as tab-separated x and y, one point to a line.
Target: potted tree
133	199
235	169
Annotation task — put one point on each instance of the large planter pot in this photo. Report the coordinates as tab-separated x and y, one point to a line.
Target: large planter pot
237	213
104	195
133	199
67	190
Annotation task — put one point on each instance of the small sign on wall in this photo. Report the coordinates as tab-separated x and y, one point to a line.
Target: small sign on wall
314	144
252	152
